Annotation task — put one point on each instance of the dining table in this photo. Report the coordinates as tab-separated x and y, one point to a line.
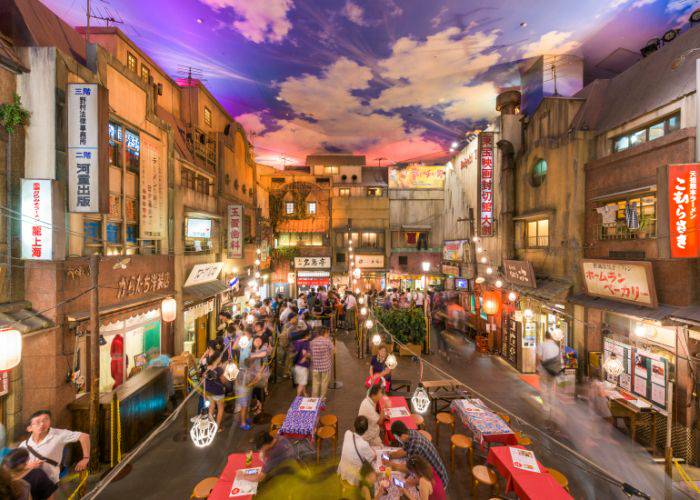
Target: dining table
386	477
235	462
387	403
301	423
485	425
526	484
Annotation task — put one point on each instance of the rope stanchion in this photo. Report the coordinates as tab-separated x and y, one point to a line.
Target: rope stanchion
78	489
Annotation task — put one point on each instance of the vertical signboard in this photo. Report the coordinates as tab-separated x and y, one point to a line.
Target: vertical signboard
152	203
486	186
85	141
37	227
235	231
683	210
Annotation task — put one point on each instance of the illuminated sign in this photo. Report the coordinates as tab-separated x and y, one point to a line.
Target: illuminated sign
198	228
37	227
485	185
626	281
83	148
369	261
312	262
417	177
683	210
235	232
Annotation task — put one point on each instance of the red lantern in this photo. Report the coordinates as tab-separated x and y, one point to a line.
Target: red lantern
491	303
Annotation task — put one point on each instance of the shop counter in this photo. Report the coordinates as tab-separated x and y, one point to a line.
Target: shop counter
142	403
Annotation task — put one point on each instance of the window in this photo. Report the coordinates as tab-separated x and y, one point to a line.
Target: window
299	239
374	191
207	116
369	240
648	133
538	233
116	137
311	208
145	73
340	258
202	185
92	231
631	217
344	239
133	150
330	170
114	233
289	207
344	192
188	178
539	172
403	260
131	62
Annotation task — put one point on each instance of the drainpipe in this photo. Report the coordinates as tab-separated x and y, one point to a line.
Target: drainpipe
8	202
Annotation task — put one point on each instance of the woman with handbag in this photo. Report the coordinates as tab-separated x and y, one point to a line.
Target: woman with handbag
356	451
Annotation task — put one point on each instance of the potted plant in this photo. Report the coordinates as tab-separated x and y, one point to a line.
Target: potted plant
407	326
645	226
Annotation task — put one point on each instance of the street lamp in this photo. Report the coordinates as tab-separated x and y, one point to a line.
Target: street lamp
426	268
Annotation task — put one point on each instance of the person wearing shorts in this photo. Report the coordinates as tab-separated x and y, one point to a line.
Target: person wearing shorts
302	362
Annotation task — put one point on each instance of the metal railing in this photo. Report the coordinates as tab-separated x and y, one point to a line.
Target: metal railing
620	231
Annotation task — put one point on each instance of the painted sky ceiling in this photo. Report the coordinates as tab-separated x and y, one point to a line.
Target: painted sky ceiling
393	79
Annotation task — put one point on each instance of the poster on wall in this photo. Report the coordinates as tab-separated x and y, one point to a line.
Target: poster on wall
454	251
152	204
621	280
417	177
86	167
486	184
683	210
235	232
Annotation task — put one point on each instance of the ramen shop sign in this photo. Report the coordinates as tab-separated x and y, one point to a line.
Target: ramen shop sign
683	210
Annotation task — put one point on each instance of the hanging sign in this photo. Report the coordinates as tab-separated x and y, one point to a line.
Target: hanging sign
622	280
85	174
454	250
37	227
152	183
450	270
312	262
202	273
683	210
235	232
520	272
485	186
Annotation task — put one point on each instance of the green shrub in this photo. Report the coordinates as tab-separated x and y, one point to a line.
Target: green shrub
406	325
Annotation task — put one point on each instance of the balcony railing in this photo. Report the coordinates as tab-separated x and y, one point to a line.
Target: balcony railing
620	231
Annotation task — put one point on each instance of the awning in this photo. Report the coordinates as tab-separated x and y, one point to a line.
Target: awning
121	311
20	316
309	225
663	312
548	289
203	291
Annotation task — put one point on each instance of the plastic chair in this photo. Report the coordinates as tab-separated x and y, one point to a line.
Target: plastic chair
329	420
559	478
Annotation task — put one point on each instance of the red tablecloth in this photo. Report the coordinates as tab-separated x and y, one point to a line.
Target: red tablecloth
395	402
526	484
223	485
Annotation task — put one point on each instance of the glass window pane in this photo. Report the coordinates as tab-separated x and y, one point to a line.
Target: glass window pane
674	123
656	131
638	137
621	143
543	227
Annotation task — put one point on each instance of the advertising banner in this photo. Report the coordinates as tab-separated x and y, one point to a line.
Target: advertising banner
312	262
683	210
622	280
235	232
520	272
454	251
153	202
369	261
37	212
417	177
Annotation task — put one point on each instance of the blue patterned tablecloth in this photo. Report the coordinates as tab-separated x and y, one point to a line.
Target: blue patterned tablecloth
300	422
485	425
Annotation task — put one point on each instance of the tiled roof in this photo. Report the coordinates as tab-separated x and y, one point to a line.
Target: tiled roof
309	225
336	160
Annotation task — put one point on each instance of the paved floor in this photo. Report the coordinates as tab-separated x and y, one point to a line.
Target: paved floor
170	468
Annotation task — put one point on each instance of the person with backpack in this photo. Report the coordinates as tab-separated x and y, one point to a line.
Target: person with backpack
356	451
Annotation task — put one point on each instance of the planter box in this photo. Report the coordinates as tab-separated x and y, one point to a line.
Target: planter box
410	350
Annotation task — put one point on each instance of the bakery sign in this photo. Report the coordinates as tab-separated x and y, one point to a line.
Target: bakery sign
625	281
520	272
486	186
369	261
683	210
312	262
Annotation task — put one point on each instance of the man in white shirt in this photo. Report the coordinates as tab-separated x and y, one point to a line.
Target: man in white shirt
355	451
286	313
368	409
418	298
46	444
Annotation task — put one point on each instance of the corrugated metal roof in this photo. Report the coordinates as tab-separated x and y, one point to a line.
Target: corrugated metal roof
198	293
20	316
336	160
310	225
548	289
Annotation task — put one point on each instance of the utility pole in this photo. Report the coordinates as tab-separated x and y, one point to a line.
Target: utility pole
94	412
668	452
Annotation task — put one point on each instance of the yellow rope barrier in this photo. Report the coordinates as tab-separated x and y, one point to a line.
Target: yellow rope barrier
83	479
686	479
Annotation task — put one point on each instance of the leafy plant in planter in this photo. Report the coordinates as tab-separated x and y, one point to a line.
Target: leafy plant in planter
406	325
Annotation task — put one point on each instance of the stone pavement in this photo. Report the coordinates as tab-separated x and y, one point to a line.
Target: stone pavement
169	468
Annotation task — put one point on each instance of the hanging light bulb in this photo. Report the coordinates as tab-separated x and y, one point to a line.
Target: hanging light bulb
479	280
528	313
489	270
512	296
258	251
499	283
483	260
420	400
479	249
376	339
168	309
361	300
354	282
613	366
475	239
251	302
556	333
257	274
369	324
357	291
357	272
363	311
231	371
257	262
250	319
244	342
10	349
641	331
350	248
391	362
203	430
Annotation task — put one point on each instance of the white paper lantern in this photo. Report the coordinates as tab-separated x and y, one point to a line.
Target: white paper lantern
257	262
243	342
499	283
250	319
231	371
361	300
10	349
376	339
203	430
484	260
357	272
357	291
369	324
420	400
528	313
613	366
258	251
512	296
479	280
363	311
489	270
391	362
479	249
168	309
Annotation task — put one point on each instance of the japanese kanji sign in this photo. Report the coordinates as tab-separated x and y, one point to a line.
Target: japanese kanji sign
369	261
312	262
153	205
625	281
37	226
203	273
519	272
683	210
486	184
235	232
83	148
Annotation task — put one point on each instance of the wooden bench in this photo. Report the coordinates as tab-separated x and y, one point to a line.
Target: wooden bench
442	392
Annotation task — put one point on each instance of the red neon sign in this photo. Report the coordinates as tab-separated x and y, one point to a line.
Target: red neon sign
683	210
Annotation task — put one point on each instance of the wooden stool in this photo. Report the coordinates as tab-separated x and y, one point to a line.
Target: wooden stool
559	478
523	440
323	434
203	488
443	418
504	417
277	421
418	419
426	435
329	420
483	475
463	443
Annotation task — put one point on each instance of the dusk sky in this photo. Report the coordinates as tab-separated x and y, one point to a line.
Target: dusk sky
394	79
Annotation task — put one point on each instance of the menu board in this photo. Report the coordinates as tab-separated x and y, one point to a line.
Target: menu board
509	345
242	486
524	459
398	412
650	377
308	404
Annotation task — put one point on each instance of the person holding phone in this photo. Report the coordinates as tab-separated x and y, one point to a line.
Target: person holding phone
368	486
430	485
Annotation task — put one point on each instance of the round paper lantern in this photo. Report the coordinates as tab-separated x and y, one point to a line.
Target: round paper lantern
499	283
203	430
361	300
10	349
491	303
357	291
363	311
357	272
257	262
258	251
369	324
479	280
613	366
528	314
391	362
512	296
168	309
420	400
489	270
231	371
376	339
243	342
